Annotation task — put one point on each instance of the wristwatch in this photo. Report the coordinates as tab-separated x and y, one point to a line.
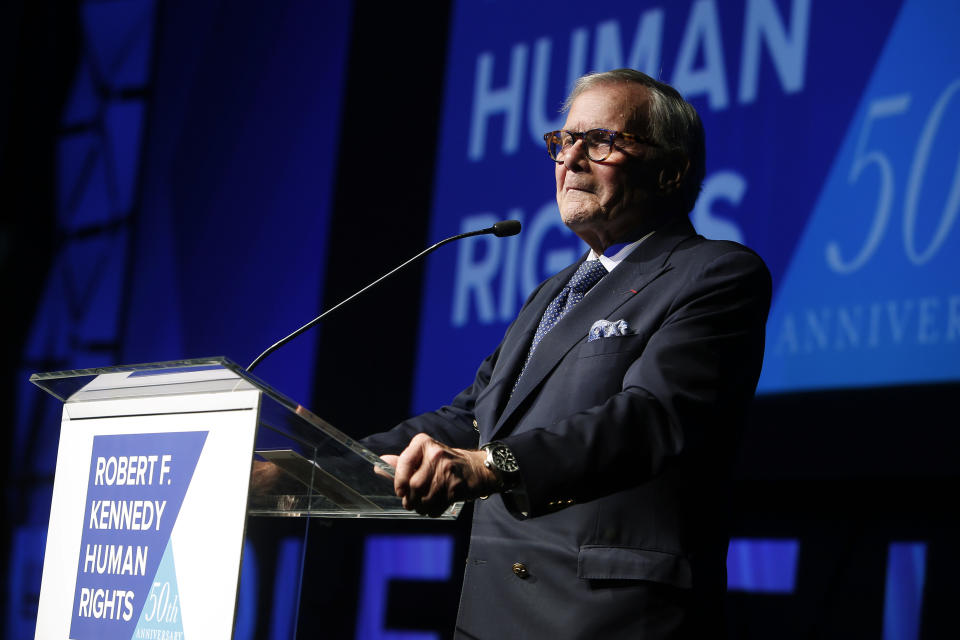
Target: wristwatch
503	463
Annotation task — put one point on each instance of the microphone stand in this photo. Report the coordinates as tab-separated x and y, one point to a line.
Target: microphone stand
500	229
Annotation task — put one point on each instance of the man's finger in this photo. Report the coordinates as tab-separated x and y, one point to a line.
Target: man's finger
407	464
391	460
423	482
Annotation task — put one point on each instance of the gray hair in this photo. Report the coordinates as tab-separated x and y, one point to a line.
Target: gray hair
672	123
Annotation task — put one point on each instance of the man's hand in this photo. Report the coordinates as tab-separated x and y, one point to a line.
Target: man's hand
266	478
431	476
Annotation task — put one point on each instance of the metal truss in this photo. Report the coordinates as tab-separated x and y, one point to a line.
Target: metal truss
79	321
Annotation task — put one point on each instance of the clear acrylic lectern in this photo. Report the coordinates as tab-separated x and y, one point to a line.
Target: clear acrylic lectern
319	470
158	468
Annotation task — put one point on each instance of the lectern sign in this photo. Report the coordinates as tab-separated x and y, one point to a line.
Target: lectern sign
136	486
149	507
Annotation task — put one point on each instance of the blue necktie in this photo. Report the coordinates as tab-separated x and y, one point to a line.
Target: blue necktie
587	275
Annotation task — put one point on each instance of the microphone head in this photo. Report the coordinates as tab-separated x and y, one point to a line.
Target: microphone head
506	228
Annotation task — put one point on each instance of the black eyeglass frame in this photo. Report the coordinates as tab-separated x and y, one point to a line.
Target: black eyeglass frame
582	135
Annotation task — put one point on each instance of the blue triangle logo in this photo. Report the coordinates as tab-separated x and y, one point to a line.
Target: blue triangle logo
160	617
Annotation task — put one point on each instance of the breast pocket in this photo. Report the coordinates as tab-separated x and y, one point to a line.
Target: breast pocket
613	345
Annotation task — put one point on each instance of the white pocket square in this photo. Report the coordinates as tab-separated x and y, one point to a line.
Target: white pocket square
607	329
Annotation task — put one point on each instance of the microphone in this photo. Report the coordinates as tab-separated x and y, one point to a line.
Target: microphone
504	228
500	229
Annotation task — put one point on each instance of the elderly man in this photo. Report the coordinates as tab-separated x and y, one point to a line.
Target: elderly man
610	410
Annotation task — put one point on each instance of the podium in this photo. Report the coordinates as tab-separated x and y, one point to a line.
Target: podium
153	488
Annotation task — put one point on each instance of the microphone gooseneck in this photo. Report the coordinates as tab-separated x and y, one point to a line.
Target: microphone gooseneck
500	229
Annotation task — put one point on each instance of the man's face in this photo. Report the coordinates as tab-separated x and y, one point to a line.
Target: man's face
604	199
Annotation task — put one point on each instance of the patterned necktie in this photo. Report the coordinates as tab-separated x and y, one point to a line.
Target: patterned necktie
587	275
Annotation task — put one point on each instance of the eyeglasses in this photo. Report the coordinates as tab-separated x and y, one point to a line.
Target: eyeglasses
597	142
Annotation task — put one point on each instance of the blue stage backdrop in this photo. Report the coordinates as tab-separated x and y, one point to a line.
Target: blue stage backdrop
832	136
237	181
195	165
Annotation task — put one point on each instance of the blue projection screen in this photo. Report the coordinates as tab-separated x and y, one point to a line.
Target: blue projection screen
832	137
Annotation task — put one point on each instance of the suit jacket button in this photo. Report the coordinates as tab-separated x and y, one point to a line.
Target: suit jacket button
520	570
476	427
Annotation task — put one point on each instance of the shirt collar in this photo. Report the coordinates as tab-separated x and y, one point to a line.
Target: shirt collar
616	253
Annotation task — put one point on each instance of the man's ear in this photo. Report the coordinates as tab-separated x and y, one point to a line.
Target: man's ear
672	173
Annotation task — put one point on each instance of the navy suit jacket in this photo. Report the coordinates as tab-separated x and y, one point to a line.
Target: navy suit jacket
624	445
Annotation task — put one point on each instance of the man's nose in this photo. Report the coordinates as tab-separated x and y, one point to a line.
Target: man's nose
574	157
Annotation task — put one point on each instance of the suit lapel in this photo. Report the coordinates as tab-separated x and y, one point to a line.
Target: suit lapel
640	268
516	344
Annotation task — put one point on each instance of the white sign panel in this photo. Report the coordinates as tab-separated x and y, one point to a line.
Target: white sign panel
147	519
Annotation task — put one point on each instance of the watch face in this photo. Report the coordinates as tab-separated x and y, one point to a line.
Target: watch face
504	459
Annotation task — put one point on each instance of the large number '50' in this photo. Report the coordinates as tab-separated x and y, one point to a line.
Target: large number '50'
865	158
